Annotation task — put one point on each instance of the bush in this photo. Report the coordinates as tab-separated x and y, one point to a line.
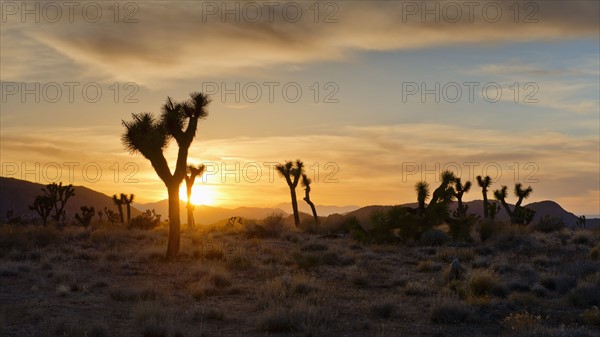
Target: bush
271	227
488	229
434	237
592	316
307	320
384	310
585	294
484	283
451	311
146	221
548	224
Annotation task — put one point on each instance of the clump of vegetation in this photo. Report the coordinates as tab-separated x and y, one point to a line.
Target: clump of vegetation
434	237
450	310
302	318
132	294
592	316
145	221
485	283
270	227
524	324
548	224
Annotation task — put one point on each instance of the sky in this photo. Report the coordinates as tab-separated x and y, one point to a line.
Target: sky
373	96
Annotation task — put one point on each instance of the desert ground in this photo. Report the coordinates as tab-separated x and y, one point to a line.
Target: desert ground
236	281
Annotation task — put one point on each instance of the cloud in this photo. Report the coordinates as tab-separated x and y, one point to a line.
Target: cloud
179	40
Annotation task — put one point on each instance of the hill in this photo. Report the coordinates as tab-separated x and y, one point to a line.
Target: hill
541	208
206	215
17	195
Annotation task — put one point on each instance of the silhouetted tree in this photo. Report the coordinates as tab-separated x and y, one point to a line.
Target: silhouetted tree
461	189
43	206
118	200
59	195
444	192
85	218
127	201
100	214
190	177
150	136
520	215
292	171
306	183
422	189
484	183
581	220
111	216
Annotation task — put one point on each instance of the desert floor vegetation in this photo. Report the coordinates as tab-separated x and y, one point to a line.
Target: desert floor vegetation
111	281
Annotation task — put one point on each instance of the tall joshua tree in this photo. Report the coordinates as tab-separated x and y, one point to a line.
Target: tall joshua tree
519	214
127	201
461	189
484	183
43	206
292	171
150	136
444	192
118	200
422	189
306	183
59	195
190	177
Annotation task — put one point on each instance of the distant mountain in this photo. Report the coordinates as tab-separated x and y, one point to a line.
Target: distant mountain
322	210
206	215
17	195
541	208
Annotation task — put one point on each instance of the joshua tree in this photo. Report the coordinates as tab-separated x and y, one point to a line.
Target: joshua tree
111	216
127	201
86	216
306	183
520	215
461	189
291	172
190	177
59	195
150	136
484	183
43	206
119	202
444	192
422	188
100	214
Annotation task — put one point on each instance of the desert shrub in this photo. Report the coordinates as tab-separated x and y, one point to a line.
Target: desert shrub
548	224
434	237
595	252
513	238
428	266
154	320
384	310
582	238
450	310
585	294
460	228
145	221
314	247
488	229
270	227
302	318
417	289
463	254
559	283
309	260
592	316
524	324
131	294
484	283
526	301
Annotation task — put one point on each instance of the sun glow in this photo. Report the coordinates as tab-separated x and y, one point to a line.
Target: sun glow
201	194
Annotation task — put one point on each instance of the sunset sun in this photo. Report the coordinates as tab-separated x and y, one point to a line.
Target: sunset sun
201	195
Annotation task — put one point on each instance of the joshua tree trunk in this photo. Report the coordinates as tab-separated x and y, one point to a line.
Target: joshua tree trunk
190	209
174	223
313	209
485	205
128	213
120	206
295	206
